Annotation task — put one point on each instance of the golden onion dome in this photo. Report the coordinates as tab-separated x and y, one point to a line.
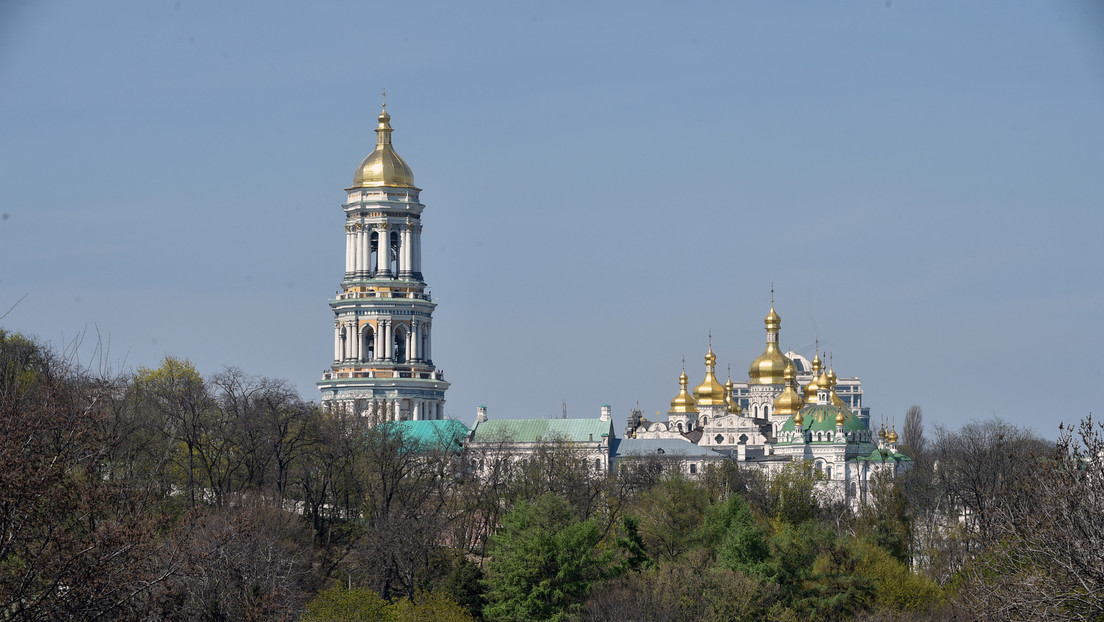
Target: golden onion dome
710	392
832	397
383	167
811	388
840	418
882	432
789	401
892	435
799	420
730	399
771	364
683	402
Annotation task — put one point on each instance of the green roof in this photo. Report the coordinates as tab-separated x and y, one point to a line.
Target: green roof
446	434
887	455
537	430
822	417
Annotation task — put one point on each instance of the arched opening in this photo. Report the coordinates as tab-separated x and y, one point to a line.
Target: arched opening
367	344
344	344
828	472
400	345
680	426
373	258
597	465
394	261
705	421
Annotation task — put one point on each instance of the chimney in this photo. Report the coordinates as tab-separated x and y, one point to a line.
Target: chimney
606	412
481	414
741	451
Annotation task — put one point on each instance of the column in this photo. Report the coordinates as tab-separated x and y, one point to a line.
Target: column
415	339
337	341
383	254
416	251
428	343
405	269
377	337
350	246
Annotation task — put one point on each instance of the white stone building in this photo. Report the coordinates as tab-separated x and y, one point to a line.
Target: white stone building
383	315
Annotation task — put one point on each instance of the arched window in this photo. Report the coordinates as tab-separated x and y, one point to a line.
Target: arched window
705	421
766	411
368	345
373	256
400	345
598	465
394	260
680	426
818	468
828	471
853	489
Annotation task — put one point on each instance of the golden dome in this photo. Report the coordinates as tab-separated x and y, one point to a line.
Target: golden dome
840	418
383	167
771	364
882	432
811	388
799	420
789	401
683	402
892	435
733	405
710	392
833	398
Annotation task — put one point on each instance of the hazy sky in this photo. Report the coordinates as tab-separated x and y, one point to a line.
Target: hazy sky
605	183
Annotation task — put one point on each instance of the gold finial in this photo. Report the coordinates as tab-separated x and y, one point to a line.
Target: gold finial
772	294
385	99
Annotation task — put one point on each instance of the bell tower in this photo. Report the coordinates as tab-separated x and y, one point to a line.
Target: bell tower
383	315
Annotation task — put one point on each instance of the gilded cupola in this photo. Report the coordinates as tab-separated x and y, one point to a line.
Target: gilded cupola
892	435
710	392
789	401
683	402
770	367
811	388
835	399
383	167
730	399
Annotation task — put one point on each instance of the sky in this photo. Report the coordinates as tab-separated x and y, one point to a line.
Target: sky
607	185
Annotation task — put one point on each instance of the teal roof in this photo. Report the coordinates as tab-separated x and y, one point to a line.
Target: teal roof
886	455
538	430
822	417
446	434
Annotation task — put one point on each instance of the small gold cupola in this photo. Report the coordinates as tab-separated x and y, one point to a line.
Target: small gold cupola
383	167
710	392
683	402
811	388
789	402
771	364
835	399
730	398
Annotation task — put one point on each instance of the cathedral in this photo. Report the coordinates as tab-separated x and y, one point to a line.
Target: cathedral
787	410
383	315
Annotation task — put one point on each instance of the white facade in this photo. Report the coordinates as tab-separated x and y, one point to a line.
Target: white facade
383	315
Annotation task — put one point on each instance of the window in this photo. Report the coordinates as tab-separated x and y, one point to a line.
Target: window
719	438
693	468
598	465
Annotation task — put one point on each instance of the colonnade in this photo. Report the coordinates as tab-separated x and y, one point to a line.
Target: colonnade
351	342
391	409
359	247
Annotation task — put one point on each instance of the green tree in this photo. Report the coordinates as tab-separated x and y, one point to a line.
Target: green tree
465	584
793	493
669	513
544	561
339	604
428	606
884	520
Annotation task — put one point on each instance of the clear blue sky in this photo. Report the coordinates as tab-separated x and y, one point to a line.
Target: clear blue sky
605	184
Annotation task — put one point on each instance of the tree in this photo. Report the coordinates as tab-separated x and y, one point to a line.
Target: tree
793	494
1046	557
668	514
338	604
544	562
913	432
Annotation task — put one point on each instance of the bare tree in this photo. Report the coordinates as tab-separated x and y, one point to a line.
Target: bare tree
913	436
1046	561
